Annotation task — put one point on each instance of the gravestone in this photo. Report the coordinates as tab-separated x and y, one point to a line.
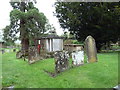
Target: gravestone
91	49
61	61
3	51
14	50
19	55
7	50
22	54
33	55
78	57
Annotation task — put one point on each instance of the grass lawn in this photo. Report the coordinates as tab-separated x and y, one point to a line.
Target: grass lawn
103	74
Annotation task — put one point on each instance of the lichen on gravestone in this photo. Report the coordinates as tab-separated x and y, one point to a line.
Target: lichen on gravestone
61	61
33	55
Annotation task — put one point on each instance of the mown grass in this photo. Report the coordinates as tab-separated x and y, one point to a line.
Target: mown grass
102	74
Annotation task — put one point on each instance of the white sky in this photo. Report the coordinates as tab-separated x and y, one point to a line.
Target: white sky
45	6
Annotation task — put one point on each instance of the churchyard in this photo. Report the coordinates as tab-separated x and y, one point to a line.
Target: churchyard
83	68
78	48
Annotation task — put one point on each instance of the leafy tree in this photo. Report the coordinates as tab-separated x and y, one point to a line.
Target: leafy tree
49	27
8	37
100	20
26	20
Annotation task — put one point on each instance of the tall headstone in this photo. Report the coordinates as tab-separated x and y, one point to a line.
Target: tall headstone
91	51
61	61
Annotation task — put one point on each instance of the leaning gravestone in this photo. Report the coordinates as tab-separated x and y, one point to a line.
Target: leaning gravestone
61	61
91	49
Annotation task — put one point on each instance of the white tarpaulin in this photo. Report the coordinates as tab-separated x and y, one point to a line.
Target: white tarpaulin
78	57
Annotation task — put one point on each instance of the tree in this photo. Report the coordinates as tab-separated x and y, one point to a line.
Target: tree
26	20
100	20
8	37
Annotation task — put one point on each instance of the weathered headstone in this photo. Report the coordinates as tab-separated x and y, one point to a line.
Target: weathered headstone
78	57
19	55
14	50
61	61
33	55
91	49
7	50
22	54
3	51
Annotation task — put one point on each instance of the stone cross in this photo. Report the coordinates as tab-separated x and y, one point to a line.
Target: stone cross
91	49
61	61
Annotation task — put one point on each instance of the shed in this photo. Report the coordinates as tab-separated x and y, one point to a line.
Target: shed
50	43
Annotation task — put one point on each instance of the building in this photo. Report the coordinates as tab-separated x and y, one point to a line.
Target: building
50	43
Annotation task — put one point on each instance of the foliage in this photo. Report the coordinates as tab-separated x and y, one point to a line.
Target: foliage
100	20
71	41
26	21
77	42
50	28
95	75
8	37
34	21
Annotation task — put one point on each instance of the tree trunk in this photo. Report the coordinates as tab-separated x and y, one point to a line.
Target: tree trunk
24	37
25	44
23	32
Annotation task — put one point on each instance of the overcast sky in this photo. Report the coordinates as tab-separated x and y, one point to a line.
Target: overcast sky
45	6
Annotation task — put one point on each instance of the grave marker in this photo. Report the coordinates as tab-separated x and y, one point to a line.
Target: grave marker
78	57
3	51
14	50
33	55
7	50
61	61
91	49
